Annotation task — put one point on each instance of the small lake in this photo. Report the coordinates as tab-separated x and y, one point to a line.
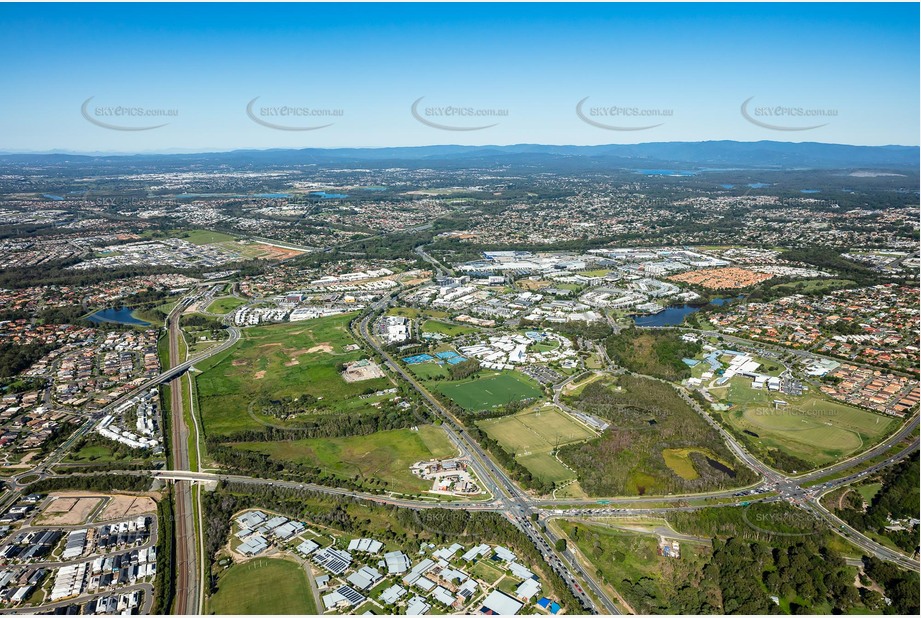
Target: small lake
122	315
55	198
328	196
674	316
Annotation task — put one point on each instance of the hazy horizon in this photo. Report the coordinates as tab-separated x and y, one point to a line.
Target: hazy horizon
155	79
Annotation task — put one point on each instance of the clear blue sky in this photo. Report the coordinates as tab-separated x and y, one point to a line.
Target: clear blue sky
372	61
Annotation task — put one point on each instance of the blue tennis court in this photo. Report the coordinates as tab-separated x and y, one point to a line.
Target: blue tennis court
418	358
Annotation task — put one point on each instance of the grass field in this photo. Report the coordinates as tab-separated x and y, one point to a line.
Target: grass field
205	237
534	434
484	393
225	305
812	428
385	455
281	360
600	272
96	452
679	460
452	330
428	370
867	492
263	586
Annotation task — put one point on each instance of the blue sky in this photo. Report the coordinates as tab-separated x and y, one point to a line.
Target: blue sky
687	68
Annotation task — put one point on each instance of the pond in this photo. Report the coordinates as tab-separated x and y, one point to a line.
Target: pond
718	465
674	316
121	315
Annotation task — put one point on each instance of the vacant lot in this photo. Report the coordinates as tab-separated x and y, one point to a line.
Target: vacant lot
65	511
489	392
263	586
385	455
281	360
127	506
811	428
412	312
452	330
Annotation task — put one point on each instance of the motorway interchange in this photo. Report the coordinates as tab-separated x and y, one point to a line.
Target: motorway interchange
526	512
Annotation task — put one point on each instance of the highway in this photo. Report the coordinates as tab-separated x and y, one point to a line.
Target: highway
187	565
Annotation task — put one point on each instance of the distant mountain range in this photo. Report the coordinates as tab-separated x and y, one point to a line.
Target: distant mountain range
763	154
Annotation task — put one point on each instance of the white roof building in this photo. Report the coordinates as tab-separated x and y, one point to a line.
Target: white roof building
417	607
502	604
527	589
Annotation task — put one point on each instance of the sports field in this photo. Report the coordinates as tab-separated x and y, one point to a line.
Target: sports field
205	237
281	360
534	434
225	304
385	455
810	427
490	392
263	586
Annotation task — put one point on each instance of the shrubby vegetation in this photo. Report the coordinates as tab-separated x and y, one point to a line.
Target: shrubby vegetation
464	369
96	482
830	259
743	568
647	416
166	557
15	358
656	353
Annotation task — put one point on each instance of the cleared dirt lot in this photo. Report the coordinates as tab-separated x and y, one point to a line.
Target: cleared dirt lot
127	506
68	511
